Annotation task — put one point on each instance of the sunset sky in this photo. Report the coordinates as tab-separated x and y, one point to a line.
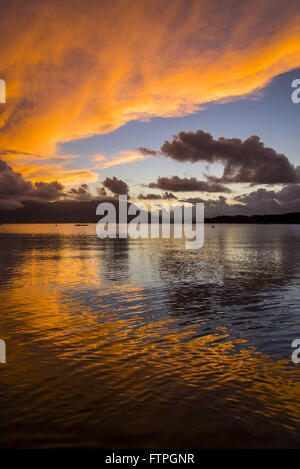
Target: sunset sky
96	87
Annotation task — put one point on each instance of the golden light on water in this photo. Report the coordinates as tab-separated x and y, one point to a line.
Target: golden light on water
104	342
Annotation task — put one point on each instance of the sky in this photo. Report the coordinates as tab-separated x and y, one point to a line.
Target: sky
185	101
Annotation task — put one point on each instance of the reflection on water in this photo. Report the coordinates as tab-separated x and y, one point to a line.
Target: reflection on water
141	343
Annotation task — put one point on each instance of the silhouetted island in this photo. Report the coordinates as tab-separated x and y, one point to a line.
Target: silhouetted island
285	218
85	212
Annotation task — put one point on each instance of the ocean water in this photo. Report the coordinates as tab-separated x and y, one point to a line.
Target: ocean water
143	344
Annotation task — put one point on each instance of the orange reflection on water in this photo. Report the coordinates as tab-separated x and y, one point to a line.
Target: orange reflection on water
95	348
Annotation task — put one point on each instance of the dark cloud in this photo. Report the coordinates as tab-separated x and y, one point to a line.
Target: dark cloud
101	192
176	184
6	152
48	190
247	161
12	183
165	196
259	202
264	201
116	186
14	188
147	151
81	193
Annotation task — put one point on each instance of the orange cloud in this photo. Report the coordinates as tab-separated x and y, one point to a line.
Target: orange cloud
49	173
77	68
124	157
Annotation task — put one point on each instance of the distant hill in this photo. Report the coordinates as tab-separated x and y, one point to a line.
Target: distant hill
85	212
286	218
57	212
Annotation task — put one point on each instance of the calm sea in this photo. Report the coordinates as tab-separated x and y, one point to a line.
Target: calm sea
142	343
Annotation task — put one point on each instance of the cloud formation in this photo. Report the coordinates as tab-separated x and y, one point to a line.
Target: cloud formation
247	161
35	171
176	184
263	201
116	186
124	157
14	188
74	69
259	202
80	193
165	196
